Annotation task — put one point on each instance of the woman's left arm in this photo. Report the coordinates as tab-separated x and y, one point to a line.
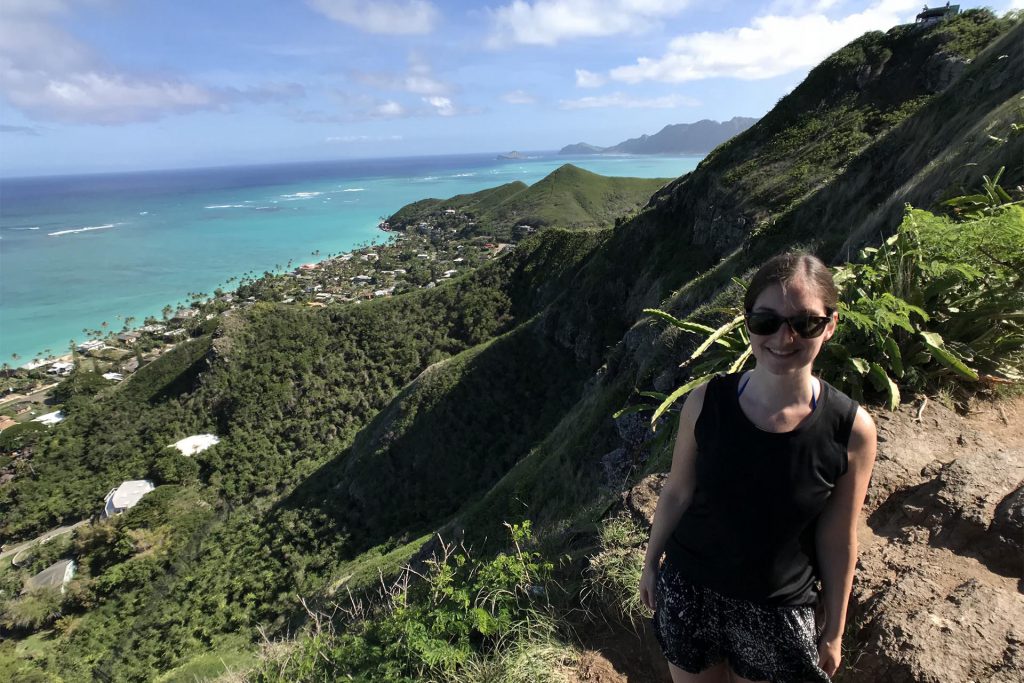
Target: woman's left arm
836	537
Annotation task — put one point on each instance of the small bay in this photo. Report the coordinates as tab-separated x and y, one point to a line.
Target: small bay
77	251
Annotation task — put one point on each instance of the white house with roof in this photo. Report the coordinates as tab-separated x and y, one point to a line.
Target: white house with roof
50	418
61	368
125	496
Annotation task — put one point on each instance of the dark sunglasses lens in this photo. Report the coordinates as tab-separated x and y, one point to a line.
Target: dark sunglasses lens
808	326
764	323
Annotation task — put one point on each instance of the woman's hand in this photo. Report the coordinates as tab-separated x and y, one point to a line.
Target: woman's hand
830	652
648	579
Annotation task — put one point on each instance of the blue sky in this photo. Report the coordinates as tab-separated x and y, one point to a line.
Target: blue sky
108	85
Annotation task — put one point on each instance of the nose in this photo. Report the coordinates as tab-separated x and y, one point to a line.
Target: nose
786	331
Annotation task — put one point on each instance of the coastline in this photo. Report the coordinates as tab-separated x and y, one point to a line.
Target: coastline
147	261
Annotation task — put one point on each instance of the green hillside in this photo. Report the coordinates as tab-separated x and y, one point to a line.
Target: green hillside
568	197
480	408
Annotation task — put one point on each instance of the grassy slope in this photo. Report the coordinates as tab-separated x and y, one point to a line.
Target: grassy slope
568	197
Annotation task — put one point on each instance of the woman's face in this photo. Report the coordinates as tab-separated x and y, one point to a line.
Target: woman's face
784	351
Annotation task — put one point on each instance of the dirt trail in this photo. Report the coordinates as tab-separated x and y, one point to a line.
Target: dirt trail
938	592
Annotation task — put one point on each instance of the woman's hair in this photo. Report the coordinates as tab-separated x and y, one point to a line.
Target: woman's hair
785	268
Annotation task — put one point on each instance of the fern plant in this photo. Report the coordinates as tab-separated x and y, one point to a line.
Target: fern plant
938	304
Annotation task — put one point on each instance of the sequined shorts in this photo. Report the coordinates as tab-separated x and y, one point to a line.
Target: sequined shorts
698	628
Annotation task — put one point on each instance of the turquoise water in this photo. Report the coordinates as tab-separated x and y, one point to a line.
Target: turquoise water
79	251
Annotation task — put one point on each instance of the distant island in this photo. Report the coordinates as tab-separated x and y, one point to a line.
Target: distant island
512	155
680	138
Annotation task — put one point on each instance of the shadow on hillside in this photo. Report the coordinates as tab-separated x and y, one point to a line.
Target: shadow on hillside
443	441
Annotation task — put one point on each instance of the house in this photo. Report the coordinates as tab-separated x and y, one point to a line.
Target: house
449	273
6	422
449	212
129	337
309	266
361	278
50	418
171	335
113	376
131	365
183	314
56	575
928	17
61	369
191	445
152	329
125	496
91	345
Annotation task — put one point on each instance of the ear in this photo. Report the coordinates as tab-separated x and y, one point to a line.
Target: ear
830	329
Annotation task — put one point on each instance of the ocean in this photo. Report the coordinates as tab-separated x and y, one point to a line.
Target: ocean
80	251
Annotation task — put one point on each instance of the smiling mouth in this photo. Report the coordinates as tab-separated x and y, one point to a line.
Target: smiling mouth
781	354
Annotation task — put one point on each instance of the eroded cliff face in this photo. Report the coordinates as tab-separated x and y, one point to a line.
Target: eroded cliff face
937	595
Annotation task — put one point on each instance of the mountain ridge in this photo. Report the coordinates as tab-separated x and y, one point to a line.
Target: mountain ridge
699	137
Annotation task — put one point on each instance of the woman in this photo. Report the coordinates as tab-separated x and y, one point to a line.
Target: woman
769	474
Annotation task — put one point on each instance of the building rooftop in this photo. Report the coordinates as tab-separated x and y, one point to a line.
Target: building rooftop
191	445
129	493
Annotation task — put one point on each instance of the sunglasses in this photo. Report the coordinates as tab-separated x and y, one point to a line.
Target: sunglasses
768	322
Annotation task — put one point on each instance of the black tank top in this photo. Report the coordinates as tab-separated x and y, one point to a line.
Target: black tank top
748	532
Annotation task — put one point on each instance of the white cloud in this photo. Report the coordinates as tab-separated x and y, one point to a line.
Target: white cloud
622	101
547	22
418	80
770	46
47	74
442	105
398	17
589	79
519	97
389	109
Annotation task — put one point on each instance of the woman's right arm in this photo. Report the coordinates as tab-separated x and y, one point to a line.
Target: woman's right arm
675	495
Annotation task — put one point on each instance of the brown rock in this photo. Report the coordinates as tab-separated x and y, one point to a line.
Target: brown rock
641	500
917	631
958	507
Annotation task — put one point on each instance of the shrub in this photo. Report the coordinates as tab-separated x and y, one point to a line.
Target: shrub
613	574
434	624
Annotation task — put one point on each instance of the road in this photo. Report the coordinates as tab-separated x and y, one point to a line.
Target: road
42	538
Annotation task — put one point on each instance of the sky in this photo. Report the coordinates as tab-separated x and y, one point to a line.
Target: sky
118	85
